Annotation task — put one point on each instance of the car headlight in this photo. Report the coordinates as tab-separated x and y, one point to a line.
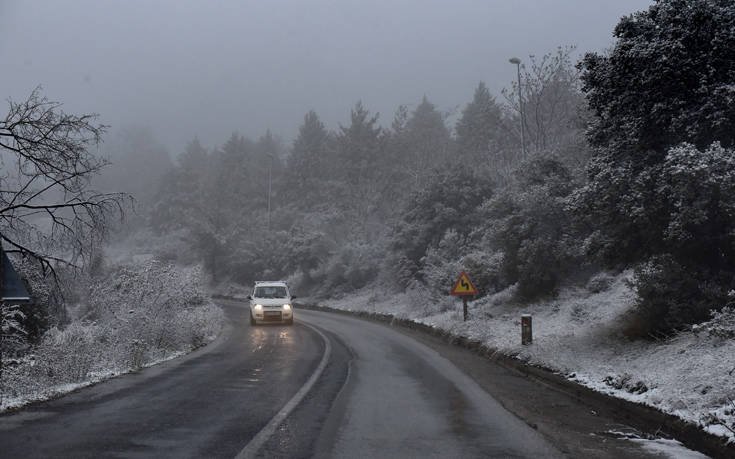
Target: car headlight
286	307
258	307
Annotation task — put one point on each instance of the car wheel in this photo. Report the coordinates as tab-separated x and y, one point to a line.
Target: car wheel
252	321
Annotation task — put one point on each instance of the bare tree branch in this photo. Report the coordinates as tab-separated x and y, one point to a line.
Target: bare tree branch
47	209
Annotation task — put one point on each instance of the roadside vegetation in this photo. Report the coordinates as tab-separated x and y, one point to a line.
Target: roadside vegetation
620	183
627	164
86	320
124	317
626	171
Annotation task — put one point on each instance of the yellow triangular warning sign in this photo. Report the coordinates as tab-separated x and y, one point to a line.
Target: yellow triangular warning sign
464	286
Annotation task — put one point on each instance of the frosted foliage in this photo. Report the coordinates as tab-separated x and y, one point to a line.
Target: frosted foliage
721	326
695	182
11	325
135	316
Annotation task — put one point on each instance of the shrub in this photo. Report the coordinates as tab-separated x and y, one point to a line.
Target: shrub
448	204
599	282
439	273
530	224
350	267
722	323
70	354
672	296
135	315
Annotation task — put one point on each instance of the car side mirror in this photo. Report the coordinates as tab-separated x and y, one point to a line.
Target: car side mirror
250	297
293	297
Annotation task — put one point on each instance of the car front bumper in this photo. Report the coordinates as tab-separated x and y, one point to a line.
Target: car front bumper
273	316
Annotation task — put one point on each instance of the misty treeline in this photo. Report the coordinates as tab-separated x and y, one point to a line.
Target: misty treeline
627	162
400	204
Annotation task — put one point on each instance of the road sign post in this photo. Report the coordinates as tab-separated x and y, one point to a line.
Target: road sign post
464	288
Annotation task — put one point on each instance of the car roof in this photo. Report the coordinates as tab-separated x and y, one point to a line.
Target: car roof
270	284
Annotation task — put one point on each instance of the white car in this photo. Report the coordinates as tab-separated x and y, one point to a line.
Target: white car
270	302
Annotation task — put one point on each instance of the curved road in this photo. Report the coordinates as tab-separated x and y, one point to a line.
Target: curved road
381	394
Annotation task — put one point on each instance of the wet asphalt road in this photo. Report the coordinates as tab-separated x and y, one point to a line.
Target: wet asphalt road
208	404
403	400
381	394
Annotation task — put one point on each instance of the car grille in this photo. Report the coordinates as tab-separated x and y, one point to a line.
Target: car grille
272	315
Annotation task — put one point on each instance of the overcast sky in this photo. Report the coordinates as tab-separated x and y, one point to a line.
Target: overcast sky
209	68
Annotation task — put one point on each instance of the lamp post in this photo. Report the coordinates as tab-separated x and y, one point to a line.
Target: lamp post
270	168
517	62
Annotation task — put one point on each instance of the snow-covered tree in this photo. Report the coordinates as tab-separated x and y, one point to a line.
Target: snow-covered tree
309	170
529	224
480	133
428	145
449	202
668	79
361	169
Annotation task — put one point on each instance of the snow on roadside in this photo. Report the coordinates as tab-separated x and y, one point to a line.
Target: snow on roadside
51	392
669	448
578	334
135	316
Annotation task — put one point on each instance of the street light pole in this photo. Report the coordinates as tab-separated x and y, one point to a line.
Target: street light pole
270	167
517	62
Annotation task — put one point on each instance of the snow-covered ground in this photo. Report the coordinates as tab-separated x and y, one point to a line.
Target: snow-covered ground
43	392
579	334
136	316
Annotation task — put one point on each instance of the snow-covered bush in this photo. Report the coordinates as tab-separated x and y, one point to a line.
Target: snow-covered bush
351	266
157	304
445	211
49	295
600	282
13	335
671	296
130	317
721	325
693	266
531	225
442	265
72	353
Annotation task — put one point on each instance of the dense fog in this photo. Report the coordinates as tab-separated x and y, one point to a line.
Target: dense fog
188	68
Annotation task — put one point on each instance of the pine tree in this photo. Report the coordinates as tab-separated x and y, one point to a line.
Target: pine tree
428	143
308	170
362	168
479	132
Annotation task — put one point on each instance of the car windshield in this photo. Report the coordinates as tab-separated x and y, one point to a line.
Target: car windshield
270	292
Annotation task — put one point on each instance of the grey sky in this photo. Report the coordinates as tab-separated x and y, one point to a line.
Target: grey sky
188	68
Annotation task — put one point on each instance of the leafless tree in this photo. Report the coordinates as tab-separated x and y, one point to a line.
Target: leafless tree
47	208
553	113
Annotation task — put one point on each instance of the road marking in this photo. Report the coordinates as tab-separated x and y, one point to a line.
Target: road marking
266	432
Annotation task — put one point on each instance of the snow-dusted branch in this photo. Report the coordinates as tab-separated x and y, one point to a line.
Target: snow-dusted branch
47	209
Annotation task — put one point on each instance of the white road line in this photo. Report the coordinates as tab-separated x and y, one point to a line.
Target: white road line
266	432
